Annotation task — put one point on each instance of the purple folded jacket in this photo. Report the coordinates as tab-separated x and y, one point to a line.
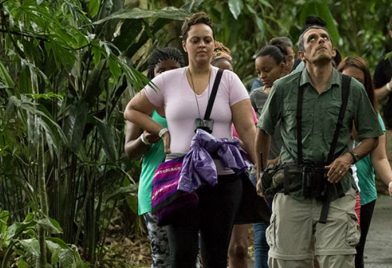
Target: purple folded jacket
198	166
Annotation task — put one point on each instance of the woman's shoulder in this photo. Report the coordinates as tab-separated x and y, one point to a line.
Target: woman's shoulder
178	72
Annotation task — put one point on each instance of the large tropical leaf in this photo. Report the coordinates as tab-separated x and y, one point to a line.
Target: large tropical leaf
171	13
75	124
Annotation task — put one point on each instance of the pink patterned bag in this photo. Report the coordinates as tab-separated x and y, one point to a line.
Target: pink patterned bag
166	200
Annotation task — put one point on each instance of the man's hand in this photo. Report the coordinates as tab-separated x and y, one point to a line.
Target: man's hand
339	167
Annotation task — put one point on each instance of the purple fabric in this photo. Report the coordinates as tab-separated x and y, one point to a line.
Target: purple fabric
198	166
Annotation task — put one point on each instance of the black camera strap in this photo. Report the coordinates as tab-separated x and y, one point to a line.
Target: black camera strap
211	100
346	80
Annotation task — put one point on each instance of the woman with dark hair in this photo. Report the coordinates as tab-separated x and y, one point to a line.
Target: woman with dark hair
375	162
184	94
142	144
270	65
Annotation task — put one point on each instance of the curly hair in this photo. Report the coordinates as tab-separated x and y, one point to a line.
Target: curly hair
161	54
196	18
221	52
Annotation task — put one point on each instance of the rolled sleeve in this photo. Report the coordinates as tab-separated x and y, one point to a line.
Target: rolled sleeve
366	121
271	111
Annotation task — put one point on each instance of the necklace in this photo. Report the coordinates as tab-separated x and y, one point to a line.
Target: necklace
194	91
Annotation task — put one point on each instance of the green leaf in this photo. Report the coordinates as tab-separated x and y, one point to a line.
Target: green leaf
75	124
22	263
124	191
96	51
5	77
50	225
266	3
235	7
260	25
56	241
4	216
114	67
93	7
107	137
31	246
19	228
129	34
66	258
171	13
321	9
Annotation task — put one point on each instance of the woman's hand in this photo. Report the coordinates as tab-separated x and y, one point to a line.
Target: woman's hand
151	138
166	142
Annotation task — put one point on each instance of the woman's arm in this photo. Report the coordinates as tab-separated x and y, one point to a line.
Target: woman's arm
383	92
138	111
134	146
262	147
381	164
137	142
243	123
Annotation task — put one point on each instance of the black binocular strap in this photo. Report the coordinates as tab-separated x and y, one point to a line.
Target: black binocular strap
346	80
213	94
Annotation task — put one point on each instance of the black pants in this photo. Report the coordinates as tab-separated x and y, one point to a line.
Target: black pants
214	219
366	217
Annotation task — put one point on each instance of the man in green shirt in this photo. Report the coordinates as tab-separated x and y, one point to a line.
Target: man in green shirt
296	235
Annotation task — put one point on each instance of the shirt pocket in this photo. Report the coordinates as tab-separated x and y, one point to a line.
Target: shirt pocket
332	115
289	116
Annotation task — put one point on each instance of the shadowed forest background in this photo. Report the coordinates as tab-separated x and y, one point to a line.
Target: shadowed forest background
67	69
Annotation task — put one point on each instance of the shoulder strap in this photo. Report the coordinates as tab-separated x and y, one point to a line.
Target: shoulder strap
213	94
346	80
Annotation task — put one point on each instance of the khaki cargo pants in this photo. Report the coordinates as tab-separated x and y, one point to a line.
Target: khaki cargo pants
296	237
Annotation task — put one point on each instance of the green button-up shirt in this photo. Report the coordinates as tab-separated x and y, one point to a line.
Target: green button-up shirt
319	117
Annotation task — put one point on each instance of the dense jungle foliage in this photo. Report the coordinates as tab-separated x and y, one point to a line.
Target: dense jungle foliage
67	68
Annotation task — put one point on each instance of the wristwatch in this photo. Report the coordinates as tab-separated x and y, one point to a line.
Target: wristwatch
355	156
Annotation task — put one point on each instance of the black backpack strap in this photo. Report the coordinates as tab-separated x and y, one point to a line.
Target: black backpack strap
346	80
213	94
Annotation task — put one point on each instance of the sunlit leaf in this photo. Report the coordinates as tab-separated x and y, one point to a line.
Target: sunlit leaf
22	263
115	68
31	246
137	13
235	7
93	7
5	77
50	225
